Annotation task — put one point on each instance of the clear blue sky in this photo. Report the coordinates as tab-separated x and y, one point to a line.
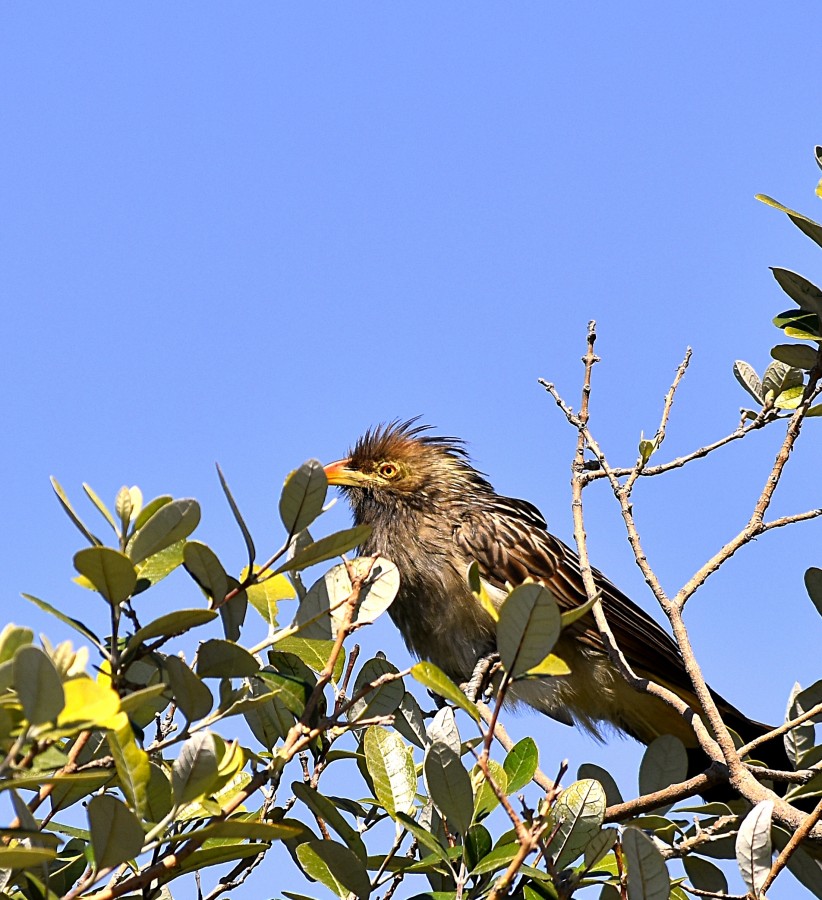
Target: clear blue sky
245	232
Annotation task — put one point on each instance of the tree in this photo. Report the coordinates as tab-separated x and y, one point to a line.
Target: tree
203	792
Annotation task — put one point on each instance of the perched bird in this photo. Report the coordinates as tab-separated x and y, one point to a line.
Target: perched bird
432	514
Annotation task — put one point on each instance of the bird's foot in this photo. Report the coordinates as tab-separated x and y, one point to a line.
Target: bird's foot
481	677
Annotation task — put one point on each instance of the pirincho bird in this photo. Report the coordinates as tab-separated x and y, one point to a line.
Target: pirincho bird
432	514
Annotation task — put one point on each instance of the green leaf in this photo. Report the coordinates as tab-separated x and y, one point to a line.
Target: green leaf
76	624
154	569
12	637
20	857
232	611
172	522
205	568
704	875
249	543
391	767
746	375
433	678
753	846
326	548
101	507
448	785
242	829
169	625
303	496
149	509
324	808
799	289
800	739
212	856
292	692
335	866
813	585
551	666
110	571
574	820
116	833
613	795
409	720
528	627
127	503
799	356
380	702
320	612
665	762
497	859
790	398
132	766
158	794
521	763
192	696
38	685
803	223
799	324
571	616
424	837
477	845
599	846
315	653
648	877
194	772
485	800
270	720
64	502
779	378
224	659
265	597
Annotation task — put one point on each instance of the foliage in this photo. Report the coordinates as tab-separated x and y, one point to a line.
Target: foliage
203	793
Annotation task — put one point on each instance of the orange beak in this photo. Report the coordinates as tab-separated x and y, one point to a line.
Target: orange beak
339	473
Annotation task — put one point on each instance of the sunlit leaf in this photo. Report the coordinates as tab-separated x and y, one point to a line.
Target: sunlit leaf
132	766
391	767
265	597
88	703
169	625
812	229
323	807
479	590
800	356
436	680
485	798
172	522
753	846
110	571
69	509
521	763
335	866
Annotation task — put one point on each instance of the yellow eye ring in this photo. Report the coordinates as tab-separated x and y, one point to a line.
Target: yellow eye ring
388	470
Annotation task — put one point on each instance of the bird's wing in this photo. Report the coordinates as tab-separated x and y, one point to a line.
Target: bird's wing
510	543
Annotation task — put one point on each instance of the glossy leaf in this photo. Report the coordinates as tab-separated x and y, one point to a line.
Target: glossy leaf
477	845
326	548
224	659
485	799
38	685
648	877
88	703
528	627
497	859
192	696
799	324
335	866
110	571
575	818
521	763
194	772
157	567
116	833
753	846
172	522
391	767
315	653
303	496
433	678
448	785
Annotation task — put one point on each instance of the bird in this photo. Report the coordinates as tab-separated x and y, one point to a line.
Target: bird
432	513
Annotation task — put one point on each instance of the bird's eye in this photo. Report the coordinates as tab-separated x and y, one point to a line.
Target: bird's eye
388	470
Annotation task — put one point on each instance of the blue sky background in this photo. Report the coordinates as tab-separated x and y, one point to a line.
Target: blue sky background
244	233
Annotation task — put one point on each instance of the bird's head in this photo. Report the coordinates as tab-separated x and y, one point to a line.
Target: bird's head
400	463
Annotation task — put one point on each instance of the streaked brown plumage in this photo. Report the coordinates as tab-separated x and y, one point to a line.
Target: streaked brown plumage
432	513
